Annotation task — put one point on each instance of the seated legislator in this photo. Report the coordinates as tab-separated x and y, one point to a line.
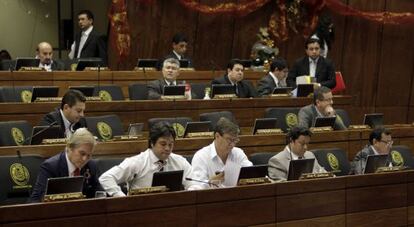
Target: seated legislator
380	142
210	162
275	78
314	65
179	48
44	52
74	161
234	76
70	115
297	144
137	171
322	107
170	72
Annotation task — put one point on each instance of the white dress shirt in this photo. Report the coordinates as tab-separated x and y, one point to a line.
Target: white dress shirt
137	171
48	67
312	67
84	37
206	162
176	54
68	125
277	82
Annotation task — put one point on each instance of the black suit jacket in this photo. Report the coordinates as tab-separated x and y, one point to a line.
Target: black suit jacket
58	65
245	88
325	72
172	55
57	166
56	116
266	85
156	89
94	47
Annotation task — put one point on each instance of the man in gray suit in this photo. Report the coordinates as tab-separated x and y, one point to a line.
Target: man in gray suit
275	78
322	107
380	142
298	139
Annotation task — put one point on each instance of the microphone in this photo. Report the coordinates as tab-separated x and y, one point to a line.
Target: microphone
39	132
202	181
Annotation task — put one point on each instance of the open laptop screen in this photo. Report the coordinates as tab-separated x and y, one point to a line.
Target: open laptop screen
171	179
64	185
298	167
374	162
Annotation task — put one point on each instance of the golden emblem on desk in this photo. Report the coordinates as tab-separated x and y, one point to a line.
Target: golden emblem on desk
17	135
179	129
26	96
104	130
291	120
397	158
333	161
20	175
105	96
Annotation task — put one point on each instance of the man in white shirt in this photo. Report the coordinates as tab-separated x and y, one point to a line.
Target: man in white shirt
213	162
298	139
137	171
274	79
44	52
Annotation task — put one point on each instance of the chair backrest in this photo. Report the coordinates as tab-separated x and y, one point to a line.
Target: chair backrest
138	92
402	156
286	117
7	65
214	117
333	160
343	116
16	94
188	157
109	92
105	127
104	164
15	133
18	176
198	89
261	158
178	123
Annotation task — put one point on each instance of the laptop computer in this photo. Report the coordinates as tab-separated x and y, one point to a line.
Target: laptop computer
39	133
26	62
147	63
374	162
298	167
44	92
199	126
255	171
374	119
64	185
303	90
184	63
282	90
174	90
264	123
222	89
171	179
86	90
135	129
93	62
325	122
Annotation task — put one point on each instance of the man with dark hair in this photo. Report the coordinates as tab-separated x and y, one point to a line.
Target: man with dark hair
313	65
325	33
322	107
44	52
380	142
137	171
210	162
297	145
234	76
179	48
70	115
275	78
88	43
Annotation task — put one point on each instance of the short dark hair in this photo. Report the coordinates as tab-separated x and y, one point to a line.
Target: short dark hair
160	129
377	134
178	38
311	40
318	94
295	132
88	13
225	125
71	97
278	64
234	62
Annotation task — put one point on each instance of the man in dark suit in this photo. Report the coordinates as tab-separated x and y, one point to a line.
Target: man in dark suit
179	49
314	65
234	76
275	78
74	161
44	52
70	115
88	43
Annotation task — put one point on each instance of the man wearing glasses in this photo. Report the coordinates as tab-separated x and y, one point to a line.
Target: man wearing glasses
211	163
322	107
380	142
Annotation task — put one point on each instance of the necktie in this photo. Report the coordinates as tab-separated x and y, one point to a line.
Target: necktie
279	84
236	88
161	164
76	172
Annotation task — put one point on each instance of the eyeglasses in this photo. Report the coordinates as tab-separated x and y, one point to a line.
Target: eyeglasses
232	140
388	143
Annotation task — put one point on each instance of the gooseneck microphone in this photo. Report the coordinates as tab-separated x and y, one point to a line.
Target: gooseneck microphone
30	138
202	181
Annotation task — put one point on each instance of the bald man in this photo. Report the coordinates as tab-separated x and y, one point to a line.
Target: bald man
44	52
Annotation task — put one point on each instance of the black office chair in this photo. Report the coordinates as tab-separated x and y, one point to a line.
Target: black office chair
109	92
7	65
261	158
401	156
333	160
178	123
18	176
105	127
198	89
104	164
188	157
16	94
343	116
286	117
214	117
138	92
15	133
